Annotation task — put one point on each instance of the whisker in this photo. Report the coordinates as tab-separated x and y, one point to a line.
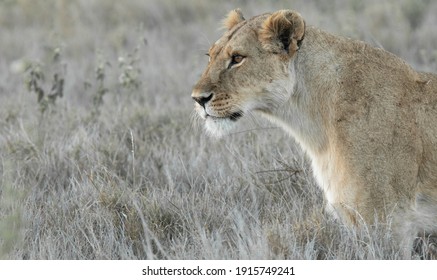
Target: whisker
195	120
253	129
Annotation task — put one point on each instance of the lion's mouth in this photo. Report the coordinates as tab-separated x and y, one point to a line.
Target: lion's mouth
233	116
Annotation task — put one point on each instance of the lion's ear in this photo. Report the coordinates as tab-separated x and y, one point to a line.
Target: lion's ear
233	18
283	31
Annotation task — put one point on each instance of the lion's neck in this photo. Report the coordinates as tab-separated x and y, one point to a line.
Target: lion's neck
305	131
304	116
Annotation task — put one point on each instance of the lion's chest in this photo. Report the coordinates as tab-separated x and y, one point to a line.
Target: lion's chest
332	177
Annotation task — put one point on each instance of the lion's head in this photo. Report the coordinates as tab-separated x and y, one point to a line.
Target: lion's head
249	68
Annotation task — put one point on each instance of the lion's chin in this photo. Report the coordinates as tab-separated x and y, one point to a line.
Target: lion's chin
219	127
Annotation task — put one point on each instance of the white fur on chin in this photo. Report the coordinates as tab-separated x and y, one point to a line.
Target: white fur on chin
218	128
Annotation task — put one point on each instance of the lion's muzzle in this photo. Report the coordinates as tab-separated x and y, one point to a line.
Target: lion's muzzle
202	98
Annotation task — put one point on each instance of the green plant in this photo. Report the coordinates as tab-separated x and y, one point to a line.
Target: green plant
100	72
36	82
130	71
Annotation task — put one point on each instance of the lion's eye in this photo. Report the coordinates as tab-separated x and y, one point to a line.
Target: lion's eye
236	59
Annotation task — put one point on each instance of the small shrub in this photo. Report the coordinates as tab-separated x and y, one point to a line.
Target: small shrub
36	82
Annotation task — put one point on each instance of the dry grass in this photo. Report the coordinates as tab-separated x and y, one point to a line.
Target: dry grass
107	165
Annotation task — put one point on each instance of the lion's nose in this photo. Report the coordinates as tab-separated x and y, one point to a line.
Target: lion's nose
203	98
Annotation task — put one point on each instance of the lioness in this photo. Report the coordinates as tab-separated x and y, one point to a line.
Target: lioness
366	119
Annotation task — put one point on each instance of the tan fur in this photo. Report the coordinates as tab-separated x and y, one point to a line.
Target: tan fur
279	23
233	18
367	120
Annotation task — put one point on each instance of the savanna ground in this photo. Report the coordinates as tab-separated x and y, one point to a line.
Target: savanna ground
99	158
